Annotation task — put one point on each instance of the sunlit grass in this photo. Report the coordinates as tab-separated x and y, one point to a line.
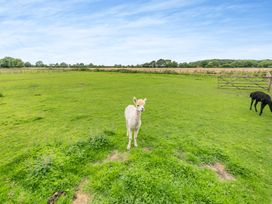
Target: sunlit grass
57	128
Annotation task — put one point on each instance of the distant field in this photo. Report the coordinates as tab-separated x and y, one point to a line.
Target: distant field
65	131
150	70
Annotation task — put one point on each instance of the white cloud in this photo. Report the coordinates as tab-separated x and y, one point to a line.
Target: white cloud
56	31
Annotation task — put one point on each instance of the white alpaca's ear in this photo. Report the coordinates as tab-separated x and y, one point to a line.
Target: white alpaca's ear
145	99
134	100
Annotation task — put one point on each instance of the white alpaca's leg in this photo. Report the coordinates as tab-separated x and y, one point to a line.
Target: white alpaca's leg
135	137
129	138
127	128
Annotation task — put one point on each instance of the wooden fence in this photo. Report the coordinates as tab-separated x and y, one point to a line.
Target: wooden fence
245	82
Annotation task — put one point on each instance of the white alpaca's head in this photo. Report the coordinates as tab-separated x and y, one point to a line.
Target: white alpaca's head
139	104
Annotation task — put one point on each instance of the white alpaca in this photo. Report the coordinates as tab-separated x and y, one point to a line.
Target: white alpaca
133	119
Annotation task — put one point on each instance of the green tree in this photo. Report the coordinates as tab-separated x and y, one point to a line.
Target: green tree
9	62
27	64
160	63
39	63
174	64
63	64
265	63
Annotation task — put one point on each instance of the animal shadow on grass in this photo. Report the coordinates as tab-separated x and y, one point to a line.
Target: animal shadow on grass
109	132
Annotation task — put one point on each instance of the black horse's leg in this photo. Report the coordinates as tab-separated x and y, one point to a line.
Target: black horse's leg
252	100
255	105
262	107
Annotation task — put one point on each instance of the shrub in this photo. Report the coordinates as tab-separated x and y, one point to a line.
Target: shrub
41	166
99	142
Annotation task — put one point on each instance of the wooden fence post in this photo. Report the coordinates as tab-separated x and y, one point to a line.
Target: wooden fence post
269	81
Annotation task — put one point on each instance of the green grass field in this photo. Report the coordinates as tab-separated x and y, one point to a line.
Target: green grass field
58	130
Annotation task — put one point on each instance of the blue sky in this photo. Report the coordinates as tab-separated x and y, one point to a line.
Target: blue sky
130	32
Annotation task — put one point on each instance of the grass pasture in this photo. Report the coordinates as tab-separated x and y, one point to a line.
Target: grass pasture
65	131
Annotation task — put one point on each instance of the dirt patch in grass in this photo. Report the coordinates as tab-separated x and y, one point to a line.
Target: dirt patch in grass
80	197
117	156
114	156
221	171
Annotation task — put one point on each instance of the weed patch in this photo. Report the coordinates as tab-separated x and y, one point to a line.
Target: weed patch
99	142
55	168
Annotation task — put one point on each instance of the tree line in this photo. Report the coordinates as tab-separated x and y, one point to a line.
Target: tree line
211	63
10	62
